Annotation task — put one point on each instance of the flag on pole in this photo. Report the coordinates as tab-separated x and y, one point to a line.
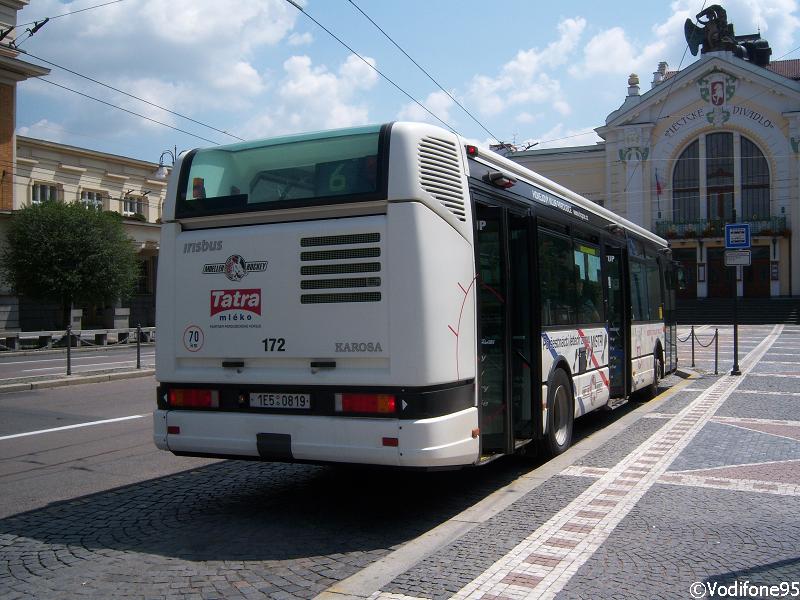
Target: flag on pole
658	194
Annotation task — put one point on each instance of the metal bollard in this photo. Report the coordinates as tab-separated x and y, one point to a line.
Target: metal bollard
692	345
139	346
716	351
69	349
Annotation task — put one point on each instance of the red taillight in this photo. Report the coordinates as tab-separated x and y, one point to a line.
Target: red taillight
472	150
193	398
365	403
391	442
173	430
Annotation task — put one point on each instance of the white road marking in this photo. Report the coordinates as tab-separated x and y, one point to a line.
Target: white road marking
77	425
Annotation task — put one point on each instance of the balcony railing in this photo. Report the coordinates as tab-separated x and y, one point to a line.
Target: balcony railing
711	228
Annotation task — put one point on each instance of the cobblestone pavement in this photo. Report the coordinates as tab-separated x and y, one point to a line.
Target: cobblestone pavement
230	530
704	489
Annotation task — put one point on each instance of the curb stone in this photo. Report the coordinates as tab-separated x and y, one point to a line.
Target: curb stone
75	380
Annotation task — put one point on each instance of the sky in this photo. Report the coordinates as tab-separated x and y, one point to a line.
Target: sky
526	71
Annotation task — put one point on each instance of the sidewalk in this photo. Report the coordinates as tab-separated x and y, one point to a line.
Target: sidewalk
697	489
34	382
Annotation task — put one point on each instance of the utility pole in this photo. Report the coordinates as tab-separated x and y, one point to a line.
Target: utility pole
735	370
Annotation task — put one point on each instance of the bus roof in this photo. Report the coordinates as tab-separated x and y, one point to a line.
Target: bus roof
492	158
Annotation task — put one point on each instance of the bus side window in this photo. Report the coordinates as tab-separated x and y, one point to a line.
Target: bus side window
556	278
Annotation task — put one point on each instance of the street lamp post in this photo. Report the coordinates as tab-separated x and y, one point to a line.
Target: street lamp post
162	171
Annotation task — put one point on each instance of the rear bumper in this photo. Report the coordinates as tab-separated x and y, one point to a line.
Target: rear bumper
433	442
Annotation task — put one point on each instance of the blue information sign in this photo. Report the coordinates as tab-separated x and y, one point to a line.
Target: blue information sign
737	235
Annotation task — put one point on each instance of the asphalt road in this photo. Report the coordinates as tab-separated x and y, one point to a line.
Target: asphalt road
57	464
13	366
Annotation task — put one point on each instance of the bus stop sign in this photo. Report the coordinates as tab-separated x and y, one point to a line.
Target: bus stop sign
737	235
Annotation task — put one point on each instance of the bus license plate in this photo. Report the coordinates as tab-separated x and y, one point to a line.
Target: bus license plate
280	400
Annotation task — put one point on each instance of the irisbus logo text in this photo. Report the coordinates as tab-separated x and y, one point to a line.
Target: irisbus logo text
241	301
202	246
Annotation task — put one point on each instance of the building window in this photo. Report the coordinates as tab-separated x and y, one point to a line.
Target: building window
719	176
44	192
686	185
92	199
132	205
755	182
718	193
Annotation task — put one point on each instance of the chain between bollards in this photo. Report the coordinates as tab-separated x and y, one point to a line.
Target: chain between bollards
139	346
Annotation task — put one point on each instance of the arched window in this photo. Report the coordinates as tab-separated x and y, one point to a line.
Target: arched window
686	185
718	191
755	182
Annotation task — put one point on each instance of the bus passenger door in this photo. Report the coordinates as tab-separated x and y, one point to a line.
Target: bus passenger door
617	321
493	376
521	327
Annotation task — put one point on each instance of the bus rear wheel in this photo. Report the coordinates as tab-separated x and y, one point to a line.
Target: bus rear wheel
652	390
560	414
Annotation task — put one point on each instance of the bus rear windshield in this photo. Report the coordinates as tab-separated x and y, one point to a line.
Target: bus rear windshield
313	169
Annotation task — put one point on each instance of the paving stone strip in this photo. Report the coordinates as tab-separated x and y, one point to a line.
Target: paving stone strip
714	478
542	564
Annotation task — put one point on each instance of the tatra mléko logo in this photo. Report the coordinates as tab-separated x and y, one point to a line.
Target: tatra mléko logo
238	300
235	267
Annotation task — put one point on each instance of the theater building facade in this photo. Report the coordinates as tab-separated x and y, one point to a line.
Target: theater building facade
716	139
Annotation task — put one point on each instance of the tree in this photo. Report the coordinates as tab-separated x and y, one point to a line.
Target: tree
70	254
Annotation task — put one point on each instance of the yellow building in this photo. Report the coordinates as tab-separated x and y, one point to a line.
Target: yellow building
723	134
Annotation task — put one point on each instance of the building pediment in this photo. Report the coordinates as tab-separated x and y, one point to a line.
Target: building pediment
719	79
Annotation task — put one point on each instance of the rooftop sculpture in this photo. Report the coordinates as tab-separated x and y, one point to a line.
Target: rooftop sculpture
716	34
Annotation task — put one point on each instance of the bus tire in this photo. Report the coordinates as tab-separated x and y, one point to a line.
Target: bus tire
560	414
652	390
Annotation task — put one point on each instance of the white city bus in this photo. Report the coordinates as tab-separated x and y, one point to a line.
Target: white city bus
393	295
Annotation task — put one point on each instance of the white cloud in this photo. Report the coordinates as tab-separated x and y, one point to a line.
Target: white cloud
614	52
44	129
523	79
300	39
312	97
187	55
560	136
610	52
439	103
242	77
526	118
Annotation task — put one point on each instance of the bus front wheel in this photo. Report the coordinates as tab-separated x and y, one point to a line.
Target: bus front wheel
560	414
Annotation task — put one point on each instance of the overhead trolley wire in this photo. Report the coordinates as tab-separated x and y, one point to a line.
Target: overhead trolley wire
74	12
449	95
373	67
200	137
148	102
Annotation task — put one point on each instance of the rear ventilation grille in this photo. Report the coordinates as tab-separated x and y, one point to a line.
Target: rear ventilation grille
341	255
440	174
338	240
330	298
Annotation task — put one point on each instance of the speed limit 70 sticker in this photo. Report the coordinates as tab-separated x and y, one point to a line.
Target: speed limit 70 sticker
193	338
